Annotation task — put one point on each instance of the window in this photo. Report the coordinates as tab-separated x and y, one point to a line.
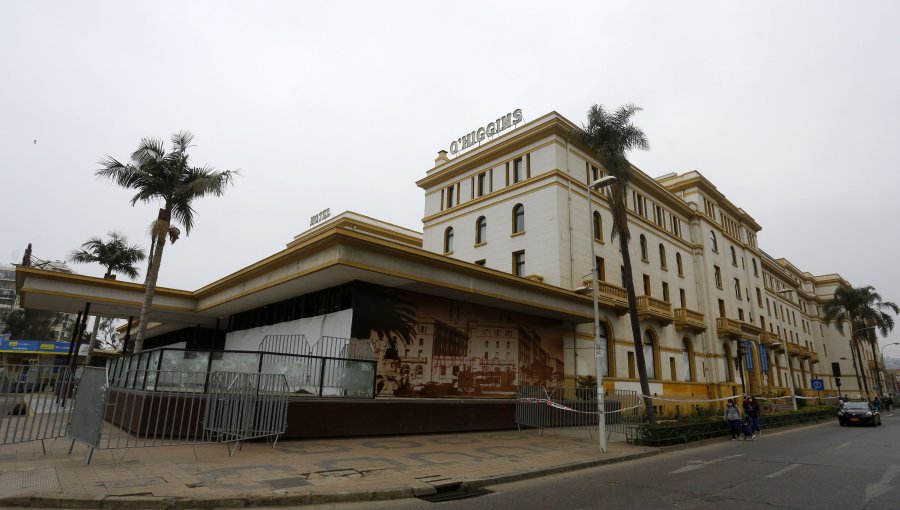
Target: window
448	240
644	256
650	354
687	360
721	308
662	256
718	275
659	216
758	297
518	259
676	225
741	314
755	271
481	230
681	296
450	202
601	269
518	219
631	365
518	170
737	288
598	226
733	257
729	373
666	292
481	184
603	339
647	285
679	264
715	242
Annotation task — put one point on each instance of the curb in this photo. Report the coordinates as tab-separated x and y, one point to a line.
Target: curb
34	500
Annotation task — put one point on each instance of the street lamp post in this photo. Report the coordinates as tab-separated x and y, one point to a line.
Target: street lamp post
599	350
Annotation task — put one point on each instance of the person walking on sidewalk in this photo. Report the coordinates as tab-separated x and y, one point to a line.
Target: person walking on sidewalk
733	416
751	409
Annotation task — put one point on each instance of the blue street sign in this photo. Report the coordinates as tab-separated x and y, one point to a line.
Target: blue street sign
817	384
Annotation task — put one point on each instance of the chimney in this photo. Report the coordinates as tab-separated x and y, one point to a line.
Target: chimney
442	158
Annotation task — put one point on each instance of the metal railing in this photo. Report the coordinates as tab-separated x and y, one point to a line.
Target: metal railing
308	375
576	409
35	402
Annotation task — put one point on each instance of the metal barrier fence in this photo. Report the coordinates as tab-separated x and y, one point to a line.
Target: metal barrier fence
245	406
576	409
35	402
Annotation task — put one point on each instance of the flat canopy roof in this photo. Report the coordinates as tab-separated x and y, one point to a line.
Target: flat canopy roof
340	252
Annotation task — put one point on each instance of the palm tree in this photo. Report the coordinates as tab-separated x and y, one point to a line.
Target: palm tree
609	136
863	308
163	176
117	257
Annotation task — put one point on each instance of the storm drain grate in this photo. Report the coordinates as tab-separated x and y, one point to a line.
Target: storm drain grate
452	492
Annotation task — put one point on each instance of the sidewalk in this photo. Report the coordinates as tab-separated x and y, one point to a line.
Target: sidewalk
293	473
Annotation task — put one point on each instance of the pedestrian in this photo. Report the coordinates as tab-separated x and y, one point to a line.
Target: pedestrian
876	403
751	409
733	416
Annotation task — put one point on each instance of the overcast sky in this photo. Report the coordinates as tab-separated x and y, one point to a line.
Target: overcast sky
790	108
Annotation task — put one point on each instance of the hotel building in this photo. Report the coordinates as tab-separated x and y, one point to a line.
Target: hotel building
484	297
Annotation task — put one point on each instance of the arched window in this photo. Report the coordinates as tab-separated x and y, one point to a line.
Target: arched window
650	350
679	264
644	248
729	371
662	257
687	359
481	230
448	240
419	371
518	219
603	339
598	226
733	257
715	242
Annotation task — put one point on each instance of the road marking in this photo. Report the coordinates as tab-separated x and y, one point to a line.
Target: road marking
783	471
838	447
873	490
700	464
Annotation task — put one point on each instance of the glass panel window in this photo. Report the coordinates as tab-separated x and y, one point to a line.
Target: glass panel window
448	240
481	230
519	263
518	219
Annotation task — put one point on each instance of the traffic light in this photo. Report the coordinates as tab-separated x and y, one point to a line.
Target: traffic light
837	382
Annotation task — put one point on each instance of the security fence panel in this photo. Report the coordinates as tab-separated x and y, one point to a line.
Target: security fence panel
242	406
90	407
35	402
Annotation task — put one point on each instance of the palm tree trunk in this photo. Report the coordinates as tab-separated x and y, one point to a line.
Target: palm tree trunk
150	286
862	369
93	343
636	329
879	388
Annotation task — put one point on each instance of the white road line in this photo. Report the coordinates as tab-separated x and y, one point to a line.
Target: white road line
838	447
695	464
782	471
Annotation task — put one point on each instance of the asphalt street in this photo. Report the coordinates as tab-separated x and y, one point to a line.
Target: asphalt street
821	466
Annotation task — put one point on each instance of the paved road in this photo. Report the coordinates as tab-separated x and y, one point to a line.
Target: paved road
823	466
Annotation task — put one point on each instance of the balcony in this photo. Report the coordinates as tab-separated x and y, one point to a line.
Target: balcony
770	339
813	357
751	329
805	352
792	349
689	319
611	296
872	364
726	327
652	308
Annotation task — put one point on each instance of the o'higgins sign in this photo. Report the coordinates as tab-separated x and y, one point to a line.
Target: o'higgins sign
507	121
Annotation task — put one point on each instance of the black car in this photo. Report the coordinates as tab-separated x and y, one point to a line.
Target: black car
858	413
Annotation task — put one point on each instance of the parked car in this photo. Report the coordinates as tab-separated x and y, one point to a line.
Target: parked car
858	413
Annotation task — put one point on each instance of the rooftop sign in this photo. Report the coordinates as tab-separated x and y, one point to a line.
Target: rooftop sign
494	127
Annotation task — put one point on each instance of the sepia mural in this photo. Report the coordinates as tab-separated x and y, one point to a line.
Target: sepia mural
435	347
